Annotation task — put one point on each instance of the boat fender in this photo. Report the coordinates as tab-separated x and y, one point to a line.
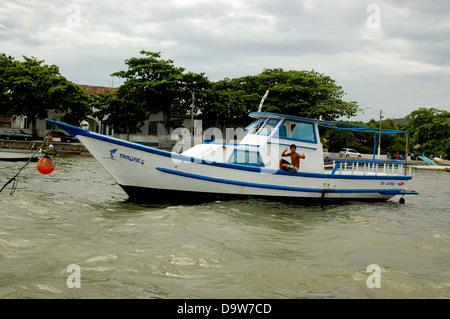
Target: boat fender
46	165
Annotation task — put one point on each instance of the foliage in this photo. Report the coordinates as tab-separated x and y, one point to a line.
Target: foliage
430	131
152	85
299	93
6	72
227	105
335	140
121	111
32	89
390	143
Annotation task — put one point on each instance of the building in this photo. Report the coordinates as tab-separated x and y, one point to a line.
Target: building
5	121
152	132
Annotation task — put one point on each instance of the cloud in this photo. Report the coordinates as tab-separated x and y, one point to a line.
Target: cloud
368	48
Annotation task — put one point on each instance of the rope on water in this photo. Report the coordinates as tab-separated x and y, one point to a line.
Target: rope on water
15	178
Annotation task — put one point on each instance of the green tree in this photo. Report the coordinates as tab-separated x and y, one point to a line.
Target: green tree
299	93
391	143
193	94
303	93
120	110
430	131
153	85
336	139
6	72
227	105
32	89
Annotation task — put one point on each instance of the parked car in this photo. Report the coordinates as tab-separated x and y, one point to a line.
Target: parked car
57	136
15	134
349	152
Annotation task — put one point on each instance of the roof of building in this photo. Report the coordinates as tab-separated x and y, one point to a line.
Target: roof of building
97	90
6	119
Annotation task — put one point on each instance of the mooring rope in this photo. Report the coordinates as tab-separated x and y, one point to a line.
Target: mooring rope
15	178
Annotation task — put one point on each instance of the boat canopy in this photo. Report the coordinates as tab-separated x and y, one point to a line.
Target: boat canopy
262	116
283	127
301	129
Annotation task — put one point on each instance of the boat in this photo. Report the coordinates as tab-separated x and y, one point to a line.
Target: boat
434	164
68	152
441	162
215	169
54	152
427	160
17	155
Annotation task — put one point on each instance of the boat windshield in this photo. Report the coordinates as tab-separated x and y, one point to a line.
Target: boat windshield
255	126
297	130
269	125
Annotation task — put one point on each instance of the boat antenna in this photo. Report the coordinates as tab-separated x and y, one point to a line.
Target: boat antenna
262	100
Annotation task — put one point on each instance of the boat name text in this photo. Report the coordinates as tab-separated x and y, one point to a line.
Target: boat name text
132	158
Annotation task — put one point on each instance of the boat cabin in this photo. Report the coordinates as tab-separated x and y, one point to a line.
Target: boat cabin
264	141
270	134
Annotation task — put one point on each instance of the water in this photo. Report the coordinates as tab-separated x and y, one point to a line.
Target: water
78	215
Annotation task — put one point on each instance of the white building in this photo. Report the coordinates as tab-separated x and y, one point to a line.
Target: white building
151	133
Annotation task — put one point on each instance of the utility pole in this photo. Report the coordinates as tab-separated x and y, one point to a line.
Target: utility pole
379	137
379	134
192	112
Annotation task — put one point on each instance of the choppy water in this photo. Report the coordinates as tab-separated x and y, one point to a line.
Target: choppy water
77	215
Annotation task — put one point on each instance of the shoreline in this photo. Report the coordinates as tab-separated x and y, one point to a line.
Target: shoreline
81	149
34	145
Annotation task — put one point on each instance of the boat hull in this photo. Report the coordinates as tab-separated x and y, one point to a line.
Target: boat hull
148	174
153	175
16	156
152	195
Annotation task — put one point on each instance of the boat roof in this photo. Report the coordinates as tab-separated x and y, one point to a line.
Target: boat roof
257	115
330	124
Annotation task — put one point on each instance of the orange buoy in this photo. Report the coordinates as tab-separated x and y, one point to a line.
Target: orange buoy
46	165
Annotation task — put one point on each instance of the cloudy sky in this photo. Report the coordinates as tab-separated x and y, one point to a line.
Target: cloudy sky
392	56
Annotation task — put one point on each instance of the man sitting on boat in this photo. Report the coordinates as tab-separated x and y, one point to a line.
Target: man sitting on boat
295	160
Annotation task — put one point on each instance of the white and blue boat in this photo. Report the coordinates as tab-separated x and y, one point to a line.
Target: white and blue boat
249	168
17	155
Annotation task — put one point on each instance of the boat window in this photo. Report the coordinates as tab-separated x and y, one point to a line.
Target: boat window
246	157
282	131
268	127
295	130
255	125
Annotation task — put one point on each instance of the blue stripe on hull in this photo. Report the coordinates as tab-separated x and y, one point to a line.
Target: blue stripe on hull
278	187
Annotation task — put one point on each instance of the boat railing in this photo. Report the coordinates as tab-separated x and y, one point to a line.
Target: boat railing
370	167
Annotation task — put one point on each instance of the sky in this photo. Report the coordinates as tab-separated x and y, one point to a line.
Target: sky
392	57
